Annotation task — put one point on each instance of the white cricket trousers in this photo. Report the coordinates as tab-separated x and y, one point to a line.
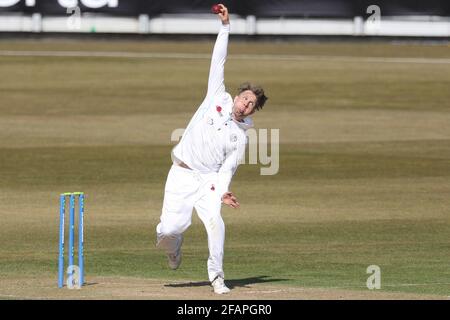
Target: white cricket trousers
186	189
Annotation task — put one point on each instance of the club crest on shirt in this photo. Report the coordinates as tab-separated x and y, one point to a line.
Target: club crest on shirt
233	137
219	110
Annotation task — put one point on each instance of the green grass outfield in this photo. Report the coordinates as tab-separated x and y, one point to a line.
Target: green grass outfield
364	173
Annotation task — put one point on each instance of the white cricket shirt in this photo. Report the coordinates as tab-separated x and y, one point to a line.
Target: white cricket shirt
213	141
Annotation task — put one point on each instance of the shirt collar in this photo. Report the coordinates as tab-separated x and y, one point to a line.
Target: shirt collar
246	124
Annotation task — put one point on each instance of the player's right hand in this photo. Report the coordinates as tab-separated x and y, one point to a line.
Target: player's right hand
230	200
223	14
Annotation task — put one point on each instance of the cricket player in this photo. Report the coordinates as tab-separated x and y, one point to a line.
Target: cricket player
204	162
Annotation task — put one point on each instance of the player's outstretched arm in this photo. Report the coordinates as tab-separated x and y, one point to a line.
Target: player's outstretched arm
216	72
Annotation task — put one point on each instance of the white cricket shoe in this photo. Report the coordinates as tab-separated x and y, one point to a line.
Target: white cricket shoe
219	286
174	260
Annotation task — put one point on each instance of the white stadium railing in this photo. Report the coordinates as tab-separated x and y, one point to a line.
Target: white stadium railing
423	26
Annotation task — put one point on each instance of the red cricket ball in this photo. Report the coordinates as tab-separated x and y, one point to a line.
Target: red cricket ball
216	9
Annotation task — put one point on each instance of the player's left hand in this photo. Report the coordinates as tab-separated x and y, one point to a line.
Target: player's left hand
230	200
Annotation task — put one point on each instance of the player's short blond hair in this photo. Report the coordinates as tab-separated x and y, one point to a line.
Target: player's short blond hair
258	92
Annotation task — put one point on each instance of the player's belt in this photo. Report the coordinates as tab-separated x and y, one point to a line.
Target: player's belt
184	165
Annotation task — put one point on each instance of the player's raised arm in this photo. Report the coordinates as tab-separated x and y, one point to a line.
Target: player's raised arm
216	72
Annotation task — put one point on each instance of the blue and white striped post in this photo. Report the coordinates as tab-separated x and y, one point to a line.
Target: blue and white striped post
62	207
81	237
75	274
71	234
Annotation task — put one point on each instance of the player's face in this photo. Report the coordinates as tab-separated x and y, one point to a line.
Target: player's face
244	105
